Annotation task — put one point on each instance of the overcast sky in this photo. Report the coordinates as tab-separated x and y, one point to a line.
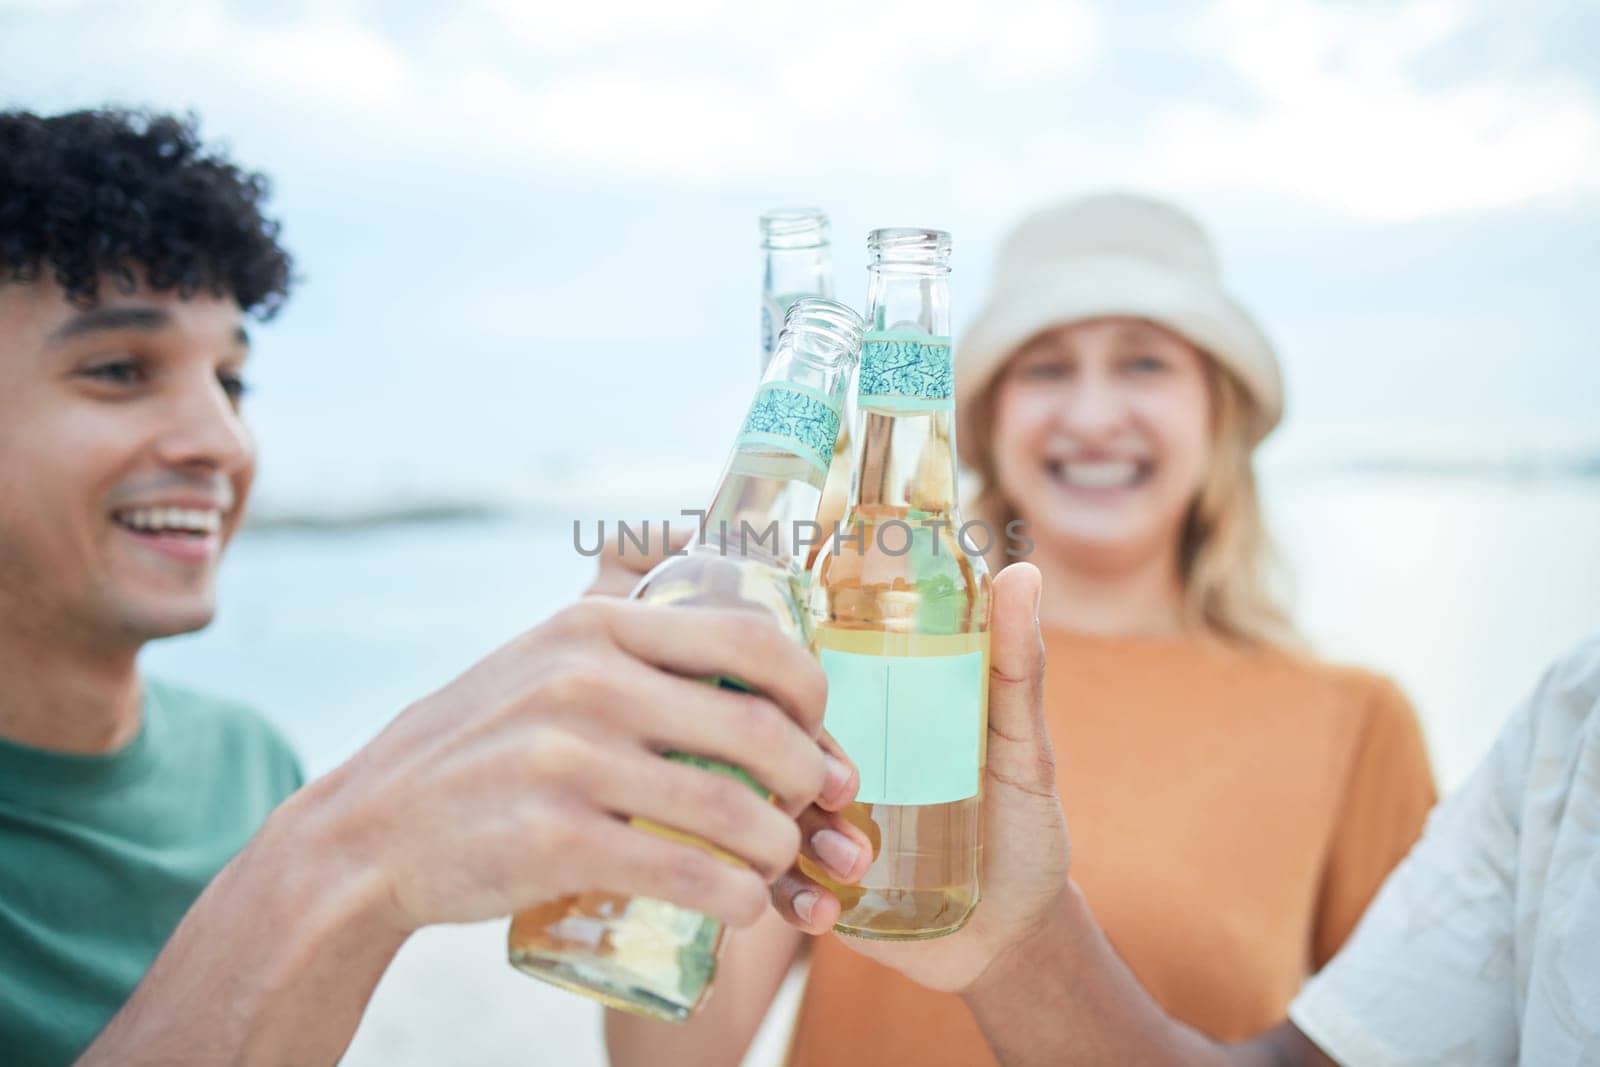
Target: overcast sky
527	230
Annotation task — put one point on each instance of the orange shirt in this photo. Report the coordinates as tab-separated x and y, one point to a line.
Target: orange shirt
1232	813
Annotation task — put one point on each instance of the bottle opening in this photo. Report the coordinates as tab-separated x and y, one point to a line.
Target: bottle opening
909	247
794	227
822	327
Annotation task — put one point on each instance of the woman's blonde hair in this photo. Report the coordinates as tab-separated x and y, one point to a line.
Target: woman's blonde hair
1229	568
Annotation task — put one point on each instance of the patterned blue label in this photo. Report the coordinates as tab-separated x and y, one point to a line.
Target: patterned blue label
909	371
795	418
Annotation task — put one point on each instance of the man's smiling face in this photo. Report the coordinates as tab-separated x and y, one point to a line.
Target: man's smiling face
124	463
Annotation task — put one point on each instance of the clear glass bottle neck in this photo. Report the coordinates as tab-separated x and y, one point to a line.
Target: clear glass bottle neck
792	272
899	296
906	458
767	495
905	461
798	262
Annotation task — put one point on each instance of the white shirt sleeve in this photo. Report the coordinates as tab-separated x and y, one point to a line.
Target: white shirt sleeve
1429	976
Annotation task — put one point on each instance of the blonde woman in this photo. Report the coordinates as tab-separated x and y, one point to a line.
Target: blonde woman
1234	802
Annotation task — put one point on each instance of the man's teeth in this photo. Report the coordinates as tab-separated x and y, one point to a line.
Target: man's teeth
163	520
1104	474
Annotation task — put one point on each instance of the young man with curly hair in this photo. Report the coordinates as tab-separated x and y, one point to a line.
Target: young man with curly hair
162	868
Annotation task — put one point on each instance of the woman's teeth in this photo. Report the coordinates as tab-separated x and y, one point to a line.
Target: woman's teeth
1097	474
171	520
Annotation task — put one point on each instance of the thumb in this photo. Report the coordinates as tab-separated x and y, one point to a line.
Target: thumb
1019	741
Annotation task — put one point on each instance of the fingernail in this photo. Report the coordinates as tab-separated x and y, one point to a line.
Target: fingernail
838	777
836	850
804	903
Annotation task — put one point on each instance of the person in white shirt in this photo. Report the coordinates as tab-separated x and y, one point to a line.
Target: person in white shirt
1484	945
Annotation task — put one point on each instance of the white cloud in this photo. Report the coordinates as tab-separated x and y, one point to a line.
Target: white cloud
1039	37
715	89
980	104
573	27
339	61
1343	122
35	6
694	126
206	52
1011	37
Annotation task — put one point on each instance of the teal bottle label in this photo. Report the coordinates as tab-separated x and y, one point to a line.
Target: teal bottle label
795	418
906	371
912	724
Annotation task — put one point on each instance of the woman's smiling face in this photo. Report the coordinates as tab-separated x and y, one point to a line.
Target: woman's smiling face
1102	439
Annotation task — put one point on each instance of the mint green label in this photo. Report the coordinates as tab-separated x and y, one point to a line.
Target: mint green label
905	370
795	418
910	723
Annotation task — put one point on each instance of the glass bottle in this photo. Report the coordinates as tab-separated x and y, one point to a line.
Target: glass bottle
901	603
799	263
648	956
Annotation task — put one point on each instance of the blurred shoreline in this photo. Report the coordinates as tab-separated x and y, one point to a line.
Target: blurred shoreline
422	505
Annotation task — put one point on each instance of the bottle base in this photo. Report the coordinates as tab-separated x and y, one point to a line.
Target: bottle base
867	933
608	985
903	915
638	955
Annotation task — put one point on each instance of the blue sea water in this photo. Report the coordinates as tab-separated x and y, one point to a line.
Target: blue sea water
331	633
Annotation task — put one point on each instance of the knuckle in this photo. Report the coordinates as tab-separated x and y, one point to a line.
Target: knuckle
818	778
681	792
579	682
558	756
759	726
692	873
813	694
805	775
556	689
785	650
764	632
782	848
753	634
559	831
722	804
583	618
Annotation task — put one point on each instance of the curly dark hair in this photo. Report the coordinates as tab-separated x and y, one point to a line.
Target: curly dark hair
131	196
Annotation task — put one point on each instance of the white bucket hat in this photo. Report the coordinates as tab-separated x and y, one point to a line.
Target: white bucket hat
1113	254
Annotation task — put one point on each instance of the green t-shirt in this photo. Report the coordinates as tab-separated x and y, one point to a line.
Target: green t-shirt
100	856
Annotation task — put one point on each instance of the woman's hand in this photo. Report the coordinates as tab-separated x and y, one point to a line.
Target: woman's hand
1026	847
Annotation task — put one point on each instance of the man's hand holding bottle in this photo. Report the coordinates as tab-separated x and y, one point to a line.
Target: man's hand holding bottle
516	782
